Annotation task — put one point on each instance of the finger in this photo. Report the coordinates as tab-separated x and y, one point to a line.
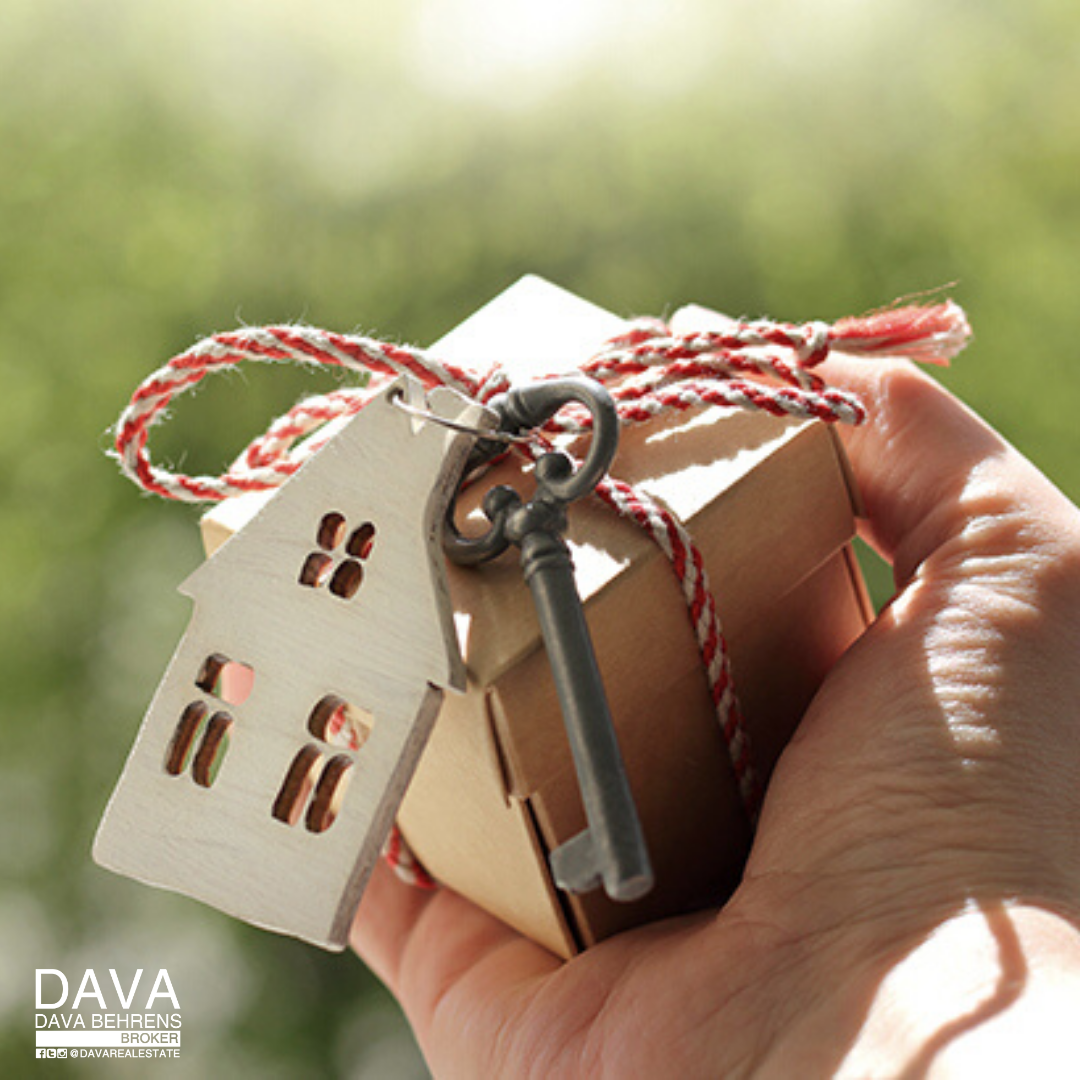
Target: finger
926	465
388	912
454	968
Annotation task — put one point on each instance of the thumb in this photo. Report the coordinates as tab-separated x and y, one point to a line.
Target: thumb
929	469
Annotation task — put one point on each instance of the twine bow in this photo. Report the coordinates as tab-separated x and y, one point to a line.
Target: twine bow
649	370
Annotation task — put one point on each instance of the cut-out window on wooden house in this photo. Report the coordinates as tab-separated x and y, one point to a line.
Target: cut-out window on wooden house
339	563
311	785
190	726
200	739
329	793
337	723
361	541
211	752
315	783
227	680
297	786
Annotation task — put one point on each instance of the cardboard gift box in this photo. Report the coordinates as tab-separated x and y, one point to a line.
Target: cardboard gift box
771	505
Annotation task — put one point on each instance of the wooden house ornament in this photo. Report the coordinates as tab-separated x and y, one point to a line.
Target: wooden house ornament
270	765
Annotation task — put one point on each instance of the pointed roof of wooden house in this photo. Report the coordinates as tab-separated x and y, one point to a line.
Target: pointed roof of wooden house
355	522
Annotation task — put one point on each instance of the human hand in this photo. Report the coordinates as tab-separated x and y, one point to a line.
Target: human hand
912	901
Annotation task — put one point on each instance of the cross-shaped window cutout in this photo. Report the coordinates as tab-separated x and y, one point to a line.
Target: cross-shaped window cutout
343	578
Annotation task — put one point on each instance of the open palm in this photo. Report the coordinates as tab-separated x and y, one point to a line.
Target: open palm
915	881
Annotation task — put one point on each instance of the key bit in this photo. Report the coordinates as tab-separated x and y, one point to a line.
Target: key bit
611	850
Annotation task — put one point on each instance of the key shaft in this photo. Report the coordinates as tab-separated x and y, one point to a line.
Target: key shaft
611	850
615	851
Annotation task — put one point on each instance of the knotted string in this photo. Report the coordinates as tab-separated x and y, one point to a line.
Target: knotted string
649	370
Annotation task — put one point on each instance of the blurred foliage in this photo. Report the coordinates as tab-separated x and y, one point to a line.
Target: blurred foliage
169	170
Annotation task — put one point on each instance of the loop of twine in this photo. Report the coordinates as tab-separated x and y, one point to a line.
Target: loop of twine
650	371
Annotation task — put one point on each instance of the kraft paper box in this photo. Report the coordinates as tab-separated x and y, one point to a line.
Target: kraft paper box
770	504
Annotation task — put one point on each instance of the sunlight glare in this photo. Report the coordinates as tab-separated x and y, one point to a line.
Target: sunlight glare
518	49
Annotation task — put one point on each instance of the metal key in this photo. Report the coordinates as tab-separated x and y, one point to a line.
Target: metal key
611	849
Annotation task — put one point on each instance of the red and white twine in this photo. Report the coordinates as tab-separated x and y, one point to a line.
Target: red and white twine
649	370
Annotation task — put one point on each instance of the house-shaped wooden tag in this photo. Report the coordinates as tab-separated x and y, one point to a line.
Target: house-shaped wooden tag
272	760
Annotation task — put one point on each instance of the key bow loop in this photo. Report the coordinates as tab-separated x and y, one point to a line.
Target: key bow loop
558	481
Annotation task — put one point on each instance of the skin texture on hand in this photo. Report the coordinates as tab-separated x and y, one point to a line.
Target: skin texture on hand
912	901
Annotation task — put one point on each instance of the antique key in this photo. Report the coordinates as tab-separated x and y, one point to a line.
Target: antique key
611	849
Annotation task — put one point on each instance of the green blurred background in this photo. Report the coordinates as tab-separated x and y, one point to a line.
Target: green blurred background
167	170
